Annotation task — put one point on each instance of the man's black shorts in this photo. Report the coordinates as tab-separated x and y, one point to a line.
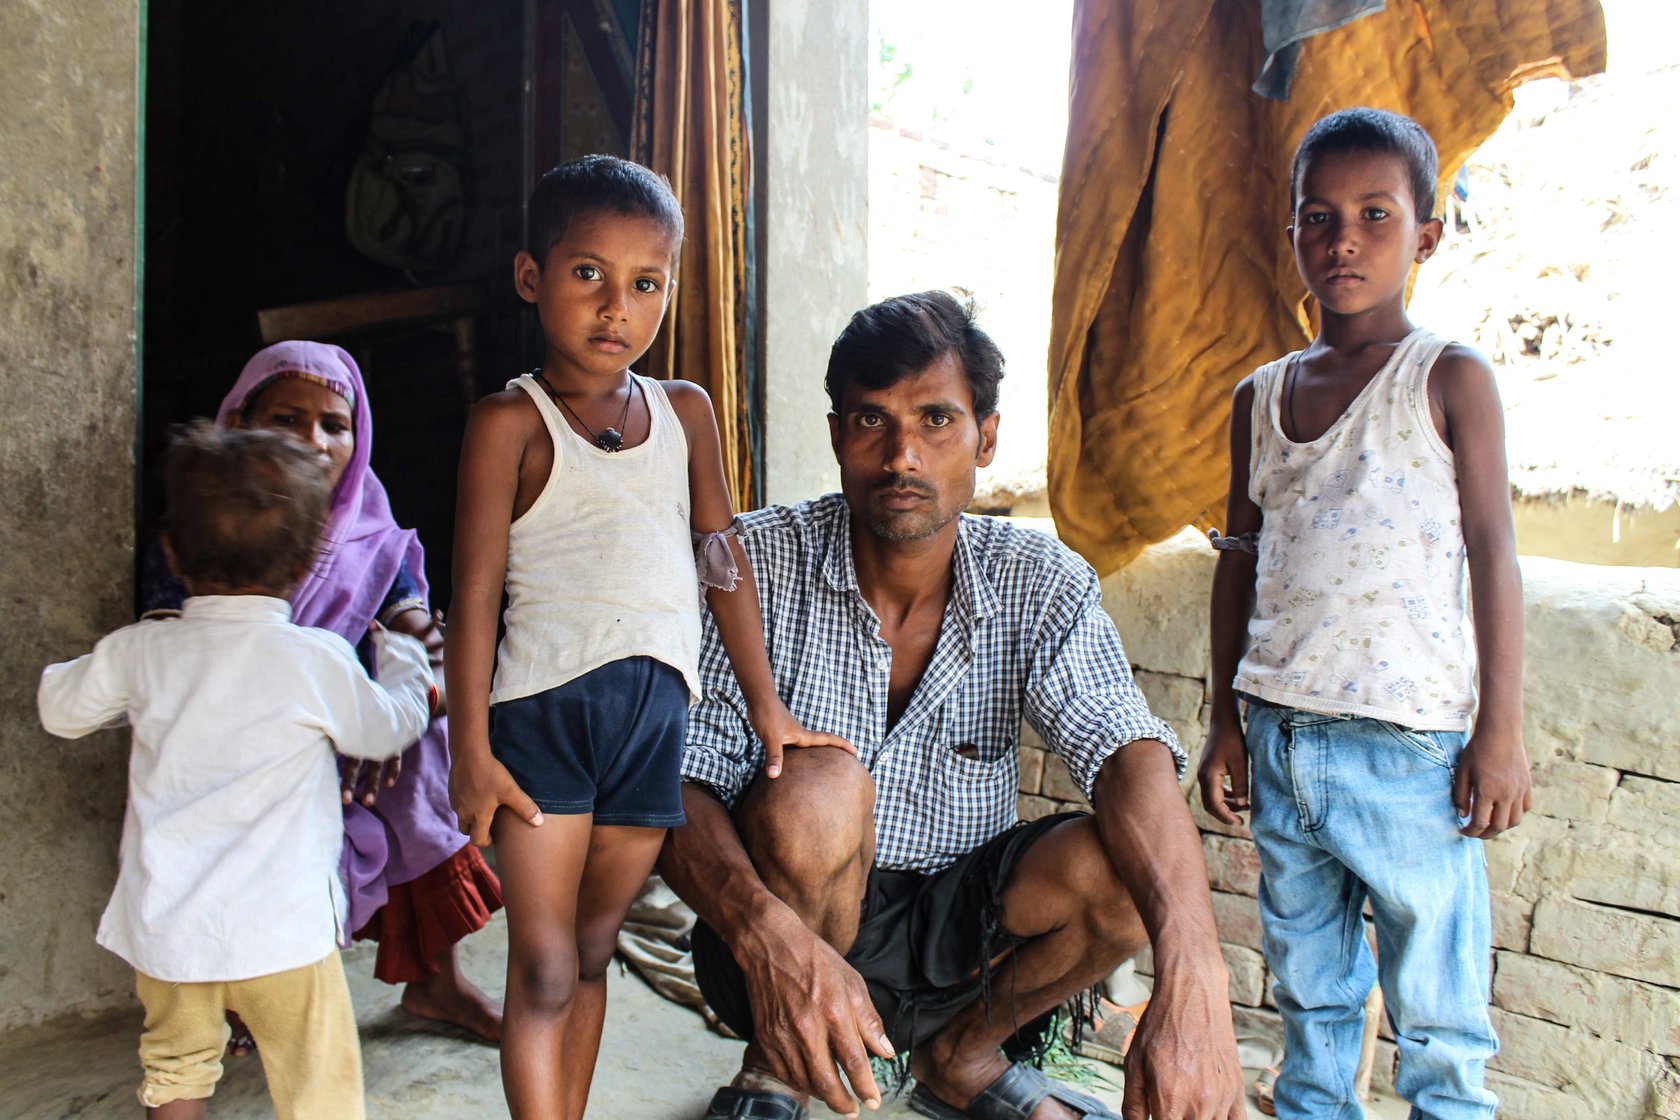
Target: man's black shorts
921	943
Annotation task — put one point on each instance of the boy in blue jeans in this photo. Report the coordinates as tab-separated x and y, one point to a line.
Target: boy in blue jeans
1367	479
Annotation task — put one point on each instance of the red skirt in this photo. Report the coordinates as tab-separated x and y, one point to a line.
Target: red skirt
425	916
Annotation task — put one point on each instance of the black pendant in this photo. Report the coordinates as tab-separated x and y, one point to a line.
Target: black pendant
609	440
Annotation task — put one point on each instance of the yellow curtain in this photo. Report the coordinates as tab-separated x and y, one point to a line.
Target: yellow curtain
692	127
1173	278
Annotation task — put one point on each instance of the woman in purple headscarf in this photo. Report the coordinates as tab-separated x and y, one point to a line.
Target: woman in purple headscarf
413	881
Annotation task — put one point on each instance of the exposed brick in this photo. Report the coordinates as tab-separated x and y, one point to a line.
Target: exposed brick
1031	738
1205	821
1030	808
1058	784
1532	1049
1257	1022
1384	1065
1032	769
1144	963
1513	917
1637	946
1233	864
1527	1100
1627	1011
1620	868
1538	844
1238	919
1247	969
1178	700
1663	1100
1505	854
1647	806
1577	791
1608	1081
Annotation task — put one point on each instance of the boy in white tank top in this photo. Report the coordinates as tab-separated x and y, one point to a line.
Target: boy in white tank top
1367	480
580	485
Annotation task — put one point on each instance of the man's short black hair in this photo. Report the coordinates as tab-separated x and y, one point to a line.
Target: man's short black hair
1373	130
891	340
243	508
596	184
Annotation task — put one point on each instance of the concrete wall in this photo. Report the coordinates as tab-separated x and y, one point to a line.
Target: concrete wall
68	81
814	156
1586	891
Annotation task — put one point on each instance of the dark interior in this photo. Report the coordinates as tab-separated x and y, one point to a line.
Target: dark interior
256	116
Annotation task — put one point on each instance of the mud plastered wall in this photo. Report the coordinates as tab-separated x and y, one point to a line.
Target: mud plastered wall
68	80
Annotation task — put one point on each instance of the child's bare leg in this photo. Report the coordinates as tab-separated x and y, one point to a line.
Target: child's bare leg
620	859
179	1110
449	997
541	868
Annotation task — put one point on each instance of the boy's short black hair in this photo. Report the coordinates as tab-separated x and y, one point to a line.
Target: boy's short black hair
1373	130
901	336
243	508
591	184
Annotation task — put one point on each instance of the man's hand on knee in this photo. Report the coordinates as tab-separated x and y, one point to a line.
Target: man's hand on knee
812	1016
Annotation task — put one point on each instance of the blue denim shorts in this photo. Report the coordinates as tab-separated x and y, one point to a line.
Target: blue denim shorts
609	743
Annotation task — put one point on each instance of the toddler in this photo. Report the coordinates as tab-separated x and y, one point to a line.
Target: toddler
228	896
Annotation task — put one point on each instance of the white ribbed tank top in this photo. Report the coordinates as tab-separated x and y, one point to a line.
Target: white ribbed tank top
601	567
1360	601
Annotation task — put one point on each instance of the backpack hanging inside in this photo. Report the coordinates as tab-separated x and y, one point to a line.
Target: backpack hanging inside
406	203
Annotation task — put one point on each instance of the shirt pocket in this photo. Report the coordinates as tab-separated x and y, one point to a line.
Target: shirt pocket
976	784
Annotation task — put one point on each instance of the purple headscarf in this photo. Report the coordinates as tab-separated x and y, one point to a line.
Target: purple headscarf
410	829
362	547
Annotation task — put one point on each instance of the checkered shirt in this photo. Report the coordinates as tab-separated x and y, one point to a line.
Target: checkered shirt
1024	634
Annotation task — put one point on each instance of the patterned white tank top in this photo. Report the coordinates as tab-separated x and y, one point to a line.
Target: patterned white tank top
1360	597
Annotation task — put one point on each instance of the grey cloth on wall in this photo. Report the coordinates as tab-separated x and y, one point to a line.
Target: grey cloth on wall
1285	23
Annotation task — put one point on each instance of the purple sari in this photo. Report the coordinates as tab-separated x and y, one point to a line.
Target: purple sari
410	829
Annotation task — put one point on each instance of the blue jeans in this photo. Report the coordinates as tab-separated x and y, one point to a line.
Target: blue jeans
1346	809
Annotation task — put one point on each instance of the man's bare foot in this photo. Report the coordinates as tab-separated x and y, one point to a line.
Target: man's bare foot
957	1080
449	997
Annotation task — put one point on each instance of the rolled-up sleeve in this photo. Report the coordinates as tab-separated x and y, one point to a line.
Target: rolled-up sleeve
721	752
1080	696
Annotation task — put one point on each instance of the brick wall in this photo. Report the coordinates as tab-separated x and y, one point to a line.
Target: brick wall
1586	891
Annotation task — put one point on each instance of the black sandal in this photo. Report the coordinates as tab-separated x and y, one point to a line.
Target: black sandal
753	1104
1013	1096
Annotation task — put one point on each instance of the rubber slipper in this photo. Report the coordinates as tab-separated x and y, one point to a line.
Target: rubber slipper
1013	1096
753	1104
1263	1090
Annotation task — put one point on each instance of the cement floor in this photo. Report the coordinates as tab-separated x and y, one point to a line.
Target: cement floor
658	1061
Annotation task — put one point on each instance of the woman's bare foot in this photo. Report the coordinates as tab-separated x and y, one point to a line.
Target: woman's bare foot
240	1042
449	997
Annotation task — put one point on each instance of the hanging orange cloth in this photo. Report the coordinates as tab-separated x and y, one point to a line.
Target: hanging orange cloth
1173	276
691	126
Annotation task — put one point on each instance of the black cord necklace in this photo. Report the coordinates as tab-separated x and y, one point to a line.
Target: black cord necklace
610	439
